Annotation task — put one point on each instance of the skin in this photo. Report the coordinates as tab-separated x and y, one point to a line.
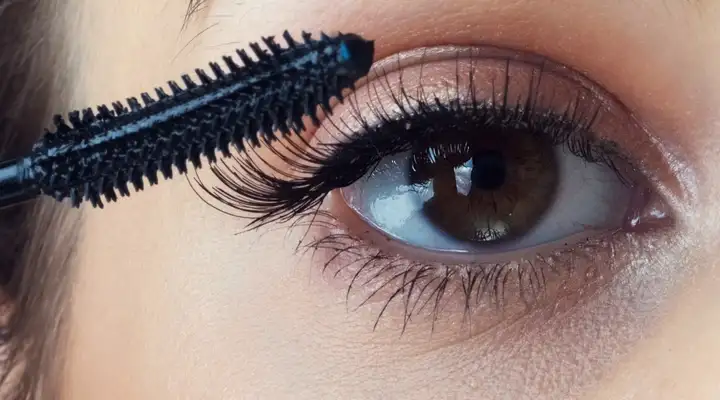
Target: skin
167	302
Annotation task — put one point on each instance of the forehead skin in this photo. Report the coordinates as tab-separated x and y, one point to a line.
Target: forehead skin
169	303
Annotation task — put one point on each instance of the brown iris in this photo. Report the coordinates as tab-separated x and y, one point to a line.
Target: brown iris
495	187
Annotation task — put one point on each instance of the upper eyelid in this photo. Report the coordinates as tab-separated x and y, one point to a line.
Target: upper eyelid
404	59
399	61
657	160
591	39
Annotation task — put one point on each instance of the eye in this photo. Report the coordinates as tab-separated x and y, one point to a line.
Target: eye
487	193
493	156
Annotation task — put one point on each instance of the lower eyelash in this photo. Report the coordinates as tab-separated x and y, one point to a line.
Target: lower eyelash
422	289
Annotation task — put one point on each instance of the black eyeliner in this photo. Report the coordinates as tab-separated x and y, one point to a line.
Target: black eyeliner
98	153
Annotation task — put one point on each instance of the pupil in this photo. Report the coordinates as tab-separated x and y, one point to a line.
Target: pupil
488	190
489	170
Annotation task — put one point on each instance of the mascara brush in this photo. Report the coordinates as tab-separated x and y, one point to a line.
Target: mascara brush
97	154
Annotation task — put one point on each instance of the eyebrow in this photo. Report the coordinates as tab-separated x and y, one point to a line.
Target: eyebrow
193	7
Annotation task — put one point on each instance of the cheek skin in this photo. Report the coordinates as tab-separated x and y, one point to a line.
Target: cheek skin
169	303
680	360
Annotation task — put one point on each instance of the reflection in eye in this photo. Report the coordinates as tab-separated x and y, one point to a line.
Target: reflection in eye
495	193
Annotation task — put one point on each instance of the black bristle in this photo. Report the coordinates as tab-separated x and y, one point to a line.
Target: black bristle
60	124
324	100
74	119
104	113
194	158
245	58
242	105
187	80
217	70
92	194
160	93
230	63
150	172
260	53
209	151
289	40
179	162
121	185
175	88
266	126
109	194
119	108
204	78
74	197
166	168
134	104
274	48
136	178
223	143
280	121
307	37
88	116
145	96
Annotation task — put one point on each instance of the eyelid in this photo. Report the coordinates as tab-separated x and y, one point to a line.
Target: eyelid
644	150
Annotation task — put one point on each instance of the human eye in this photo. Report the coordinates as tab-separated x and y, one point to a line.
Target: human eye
478	181
496	166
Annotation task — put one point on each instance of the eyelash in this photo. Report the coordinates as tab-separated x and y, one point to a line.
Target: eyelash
193	7
295	194
426	286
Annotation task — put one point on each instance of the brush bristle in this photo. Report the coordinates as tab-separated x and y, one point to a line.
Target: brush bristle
96	154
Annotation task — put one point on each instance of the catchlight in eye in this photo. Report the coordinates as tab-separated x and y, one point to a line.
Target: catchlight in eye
484	189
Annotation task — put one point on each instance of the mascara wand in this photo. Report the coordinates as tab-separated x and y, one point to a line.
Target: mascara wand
97	154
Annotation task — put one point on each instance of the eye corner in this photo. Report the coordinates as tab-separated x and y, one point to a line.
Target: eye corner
648	211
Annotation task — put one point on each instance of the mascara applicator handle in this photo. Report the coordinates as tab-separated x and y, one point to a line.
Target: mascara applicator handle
14	177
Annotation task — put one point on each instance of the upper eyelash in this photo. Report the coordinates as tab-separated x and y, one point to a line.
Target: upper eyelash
420	287
313	171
